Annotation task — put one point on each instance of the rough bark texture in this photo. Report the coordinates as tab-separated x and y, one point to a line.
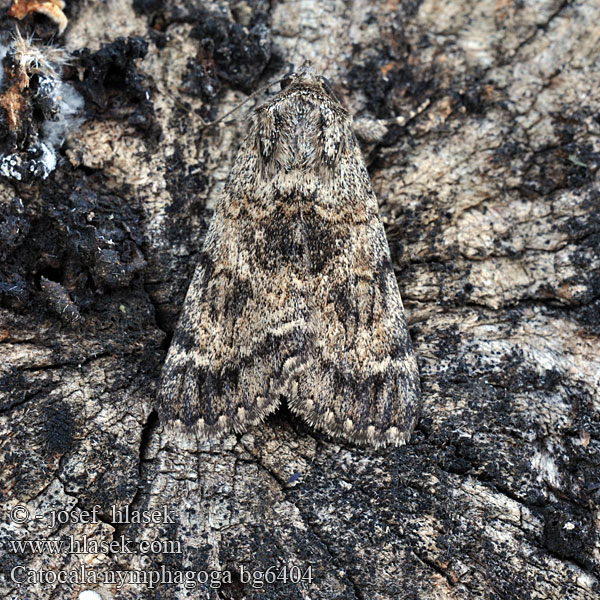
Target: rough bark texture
491	197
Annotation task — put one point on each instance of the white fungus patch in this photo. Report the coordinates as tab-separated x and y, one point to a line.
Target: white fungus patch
62	107
70	110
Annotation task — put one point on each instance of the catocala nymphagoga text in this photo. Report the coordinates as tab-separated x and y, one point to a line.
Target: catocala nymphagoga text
294	297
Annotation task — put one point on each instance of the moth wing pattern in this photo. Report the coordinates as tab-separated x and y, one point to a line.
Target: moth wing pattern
361	380
295	296
226	358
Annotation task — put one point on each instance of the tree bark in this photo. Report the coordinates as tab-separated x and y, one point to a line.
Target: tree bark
490	197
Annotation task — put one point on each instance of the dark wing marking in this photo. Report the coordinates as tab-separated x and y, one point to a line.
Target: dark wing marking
361	380
241	323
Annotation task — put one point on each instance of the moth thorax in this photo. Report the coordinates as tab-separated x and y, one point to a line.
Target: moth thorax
306	139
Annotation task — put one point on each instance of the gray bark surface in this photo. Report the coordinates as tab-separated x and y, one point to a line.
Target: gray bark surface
490	196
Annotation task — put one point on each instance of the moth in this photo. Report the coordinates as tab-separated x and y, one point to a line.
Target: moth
294	297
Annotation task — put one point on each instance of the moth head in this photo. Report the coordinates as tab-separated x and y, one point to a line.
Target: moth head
307	79
302	128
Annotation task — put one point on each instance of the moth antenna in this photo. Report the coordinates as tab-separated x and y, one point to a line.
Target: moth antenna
183	106
253	95
374	130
